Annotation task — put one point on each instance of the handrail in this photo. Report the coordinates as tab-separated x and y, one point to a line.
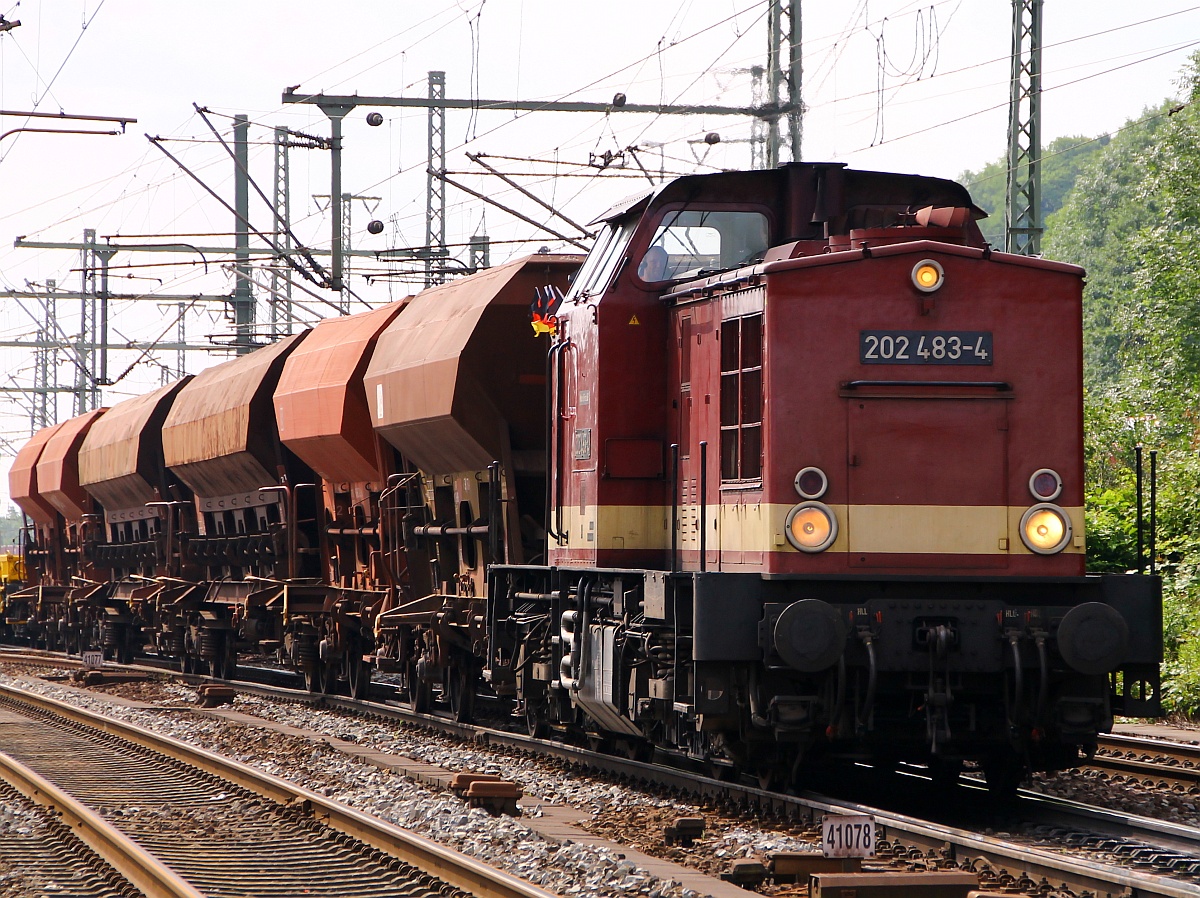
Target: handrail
974	384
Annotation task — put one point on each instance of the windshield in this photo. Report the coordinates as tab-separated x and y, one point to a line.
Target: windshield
598	268
689	242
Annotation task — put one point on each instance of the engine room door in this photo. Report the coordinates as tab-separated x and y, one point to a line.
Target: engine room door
927	477
696	358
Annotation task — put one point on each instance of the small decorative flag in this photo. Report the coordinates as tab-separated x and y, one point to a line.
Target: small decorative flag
543	310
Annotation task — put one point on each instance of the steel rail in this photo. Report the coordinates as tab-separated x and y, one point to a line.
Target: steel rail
1187	752
447	865
127	857
1152	763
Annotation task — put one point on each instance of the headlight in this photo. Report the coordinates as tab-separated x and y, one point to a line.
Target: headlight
811	527
1045	529
928	275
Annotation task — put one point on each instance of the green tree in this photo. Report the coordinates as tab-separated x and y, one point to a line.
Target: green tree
1135	221
1061	162
1098	227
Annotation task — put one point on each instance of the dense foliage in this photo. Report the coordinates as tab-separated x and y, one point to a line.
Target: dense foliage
1131	216
1061	163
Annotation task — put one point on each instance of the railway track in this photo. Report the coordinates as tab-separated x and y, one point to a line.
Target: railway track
1157	762
179	821
40	853
1069	846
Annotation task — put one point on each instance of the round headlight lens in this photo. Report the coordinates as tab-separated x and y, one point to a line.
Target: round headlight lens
1045	529
811	483
928	275
1045	484
811	527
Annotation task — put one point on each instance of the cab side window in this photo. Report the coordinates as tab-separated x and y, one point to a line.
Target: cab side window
692	242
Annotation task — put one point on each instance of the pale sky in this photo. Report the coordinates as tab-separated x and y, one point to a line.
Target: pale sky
888	84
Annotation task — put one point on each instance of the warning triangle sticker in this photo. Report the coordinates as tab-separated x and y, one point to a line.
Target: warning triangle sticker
634	320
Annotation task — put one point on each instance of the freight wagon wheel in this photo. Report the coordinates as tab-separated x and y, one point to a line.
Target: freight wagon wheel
312	677
358	674
769	777
187	658
462	692
535	717
225	664
419	690
326	677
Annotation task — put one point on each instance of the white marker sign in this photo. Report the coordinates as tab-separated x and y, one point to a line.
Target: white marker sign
848	836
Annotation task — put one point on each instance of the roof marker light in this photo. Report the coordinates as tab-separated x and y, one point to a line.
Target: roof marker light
928	275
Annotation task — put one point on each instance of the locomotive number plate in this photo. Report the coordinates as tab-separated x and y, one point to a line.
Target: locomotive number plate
847	835
925	347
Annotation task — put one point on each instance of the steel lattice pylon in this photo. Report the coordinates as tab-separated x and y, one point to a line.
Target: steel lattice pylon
281	274
435	187
45	372
91	349
1023	213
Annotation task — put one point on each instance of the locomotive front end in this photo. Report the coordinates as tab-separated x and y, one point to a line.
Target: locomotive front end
925	594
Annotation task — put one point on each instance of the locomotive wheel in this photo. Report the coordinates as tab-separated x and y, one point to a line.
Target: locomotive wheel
1003	775
462	692
945	772
419	692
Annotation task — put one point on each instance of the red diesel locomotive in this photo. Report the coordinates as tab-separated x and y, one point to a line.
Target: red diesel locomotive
798	474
